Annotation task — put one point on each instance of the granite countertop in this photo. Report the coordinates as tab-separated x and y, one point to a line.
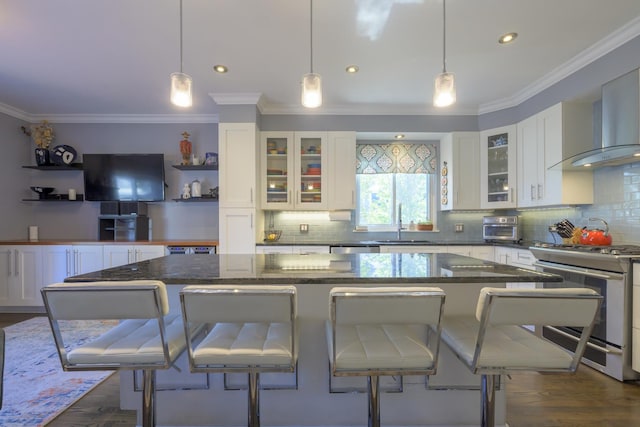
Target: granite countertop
370	269
407	242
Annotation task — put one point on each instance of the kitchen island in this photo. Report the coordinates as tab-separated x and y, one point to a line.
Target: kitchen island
310	397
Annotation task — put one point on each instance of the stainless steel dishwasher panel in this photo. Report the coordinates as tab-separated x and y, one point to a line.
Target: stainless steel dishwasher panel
354	249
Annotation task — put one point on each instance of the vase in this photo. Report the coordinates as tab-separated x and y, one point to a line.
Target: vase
42	156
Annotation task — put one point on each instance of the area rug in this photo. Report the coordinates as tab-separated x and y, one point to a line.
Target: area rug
36	389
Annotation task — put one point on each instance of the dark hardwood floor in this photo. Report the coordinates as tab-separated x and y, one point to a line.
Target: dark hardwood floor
584	399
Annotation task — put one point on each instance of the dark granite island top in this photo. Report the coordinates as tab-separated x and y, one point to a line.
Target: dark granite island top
385	268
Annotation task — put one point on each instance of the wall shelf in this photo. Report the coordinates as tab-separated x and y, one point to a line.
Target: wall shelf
196	167
72	166
57	198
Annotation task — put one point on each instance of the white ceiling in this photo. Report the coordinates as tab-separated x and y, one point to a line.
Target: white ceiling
114	57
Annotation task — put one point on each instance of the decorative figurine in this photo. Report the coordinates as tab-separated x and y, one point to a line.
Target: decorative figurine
185	149
186	191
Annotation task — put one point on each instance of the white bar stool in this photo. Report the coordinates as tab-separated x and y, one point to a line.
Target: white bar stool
383	331
249	329
495	342
146	338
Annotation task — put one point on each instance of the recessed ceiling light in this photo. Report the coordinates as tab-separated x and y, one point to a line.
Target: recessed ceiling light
507	38
399	136
220	69
352	69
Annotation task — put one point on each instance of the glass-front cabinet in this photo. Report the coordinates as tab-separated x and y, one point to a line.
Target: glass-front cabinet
293	170
498	167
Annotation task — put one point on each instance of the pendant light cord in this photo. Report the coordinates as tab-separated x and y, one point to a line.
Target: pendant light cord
180	36
444	36
310	33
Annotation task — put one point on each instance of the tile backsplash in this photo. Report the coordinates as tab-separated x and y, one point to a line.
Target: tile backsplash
616	200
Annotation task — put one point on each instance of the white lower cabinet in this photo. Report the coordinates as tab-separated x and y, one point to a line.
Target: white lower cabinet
20	276
237	231
292	249
62	261
115	255
485	253
515	257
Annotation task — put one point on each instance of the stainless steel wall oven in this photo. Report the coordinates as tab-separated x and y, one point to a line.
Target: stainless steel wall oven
607	270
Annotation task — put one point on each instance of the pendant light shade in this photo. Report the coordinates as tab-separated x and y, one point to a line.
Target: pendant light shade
181	90
311	90
311	82
444	93
181	83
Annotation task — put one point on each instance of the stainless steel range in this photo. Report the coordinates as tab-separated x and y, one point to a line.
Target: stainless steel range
607	270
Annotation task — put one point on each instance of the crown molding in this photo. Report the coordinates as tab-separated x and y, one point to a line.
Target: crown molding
14	112
126	118
367	110
596	51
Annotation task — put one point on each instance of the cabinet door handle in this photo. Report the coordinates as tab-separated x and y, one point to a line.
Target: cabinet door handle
289	199
129	256
9	263
533	187
16	262
540	192
251	195
76	262
68	253
252	221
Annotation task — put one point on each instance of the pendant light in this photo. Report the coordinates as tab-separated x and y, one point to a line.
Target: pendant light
311	82
445	89
180	82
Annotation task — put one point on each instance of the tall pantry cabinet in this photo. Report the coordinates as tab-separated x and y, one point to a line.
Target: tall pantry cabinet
238	198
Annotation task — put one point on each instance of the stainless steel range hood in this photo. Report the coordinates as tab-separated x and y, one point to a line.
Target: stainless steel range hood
620	127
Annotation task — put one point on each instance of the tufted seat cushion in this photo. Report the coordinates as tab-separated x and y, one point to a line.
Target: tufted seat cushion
246	344
379	347
505	346
135	341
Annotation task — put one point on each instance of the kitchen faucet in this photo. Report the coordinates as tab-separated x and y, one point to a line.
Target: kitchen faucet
399	221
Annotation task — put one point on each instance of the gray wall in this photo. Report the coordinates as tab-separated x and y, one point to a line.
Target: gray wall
170	220
17	150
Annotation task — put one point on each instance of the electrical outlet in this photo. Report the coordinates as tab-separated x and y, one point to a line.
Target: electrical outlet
459	228
304	228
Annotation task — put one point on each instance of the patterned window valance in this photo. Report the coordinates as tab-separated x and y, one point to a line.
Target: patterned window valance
396	158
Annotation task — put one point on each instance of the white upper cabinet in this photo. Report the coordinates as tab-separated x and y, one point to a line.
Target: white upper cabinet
237	166
498	168
459	185
341	162
308	170
294	170
544	140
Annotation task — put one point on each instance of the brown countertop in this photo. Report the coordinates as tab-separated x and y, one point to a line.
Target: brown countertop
110	242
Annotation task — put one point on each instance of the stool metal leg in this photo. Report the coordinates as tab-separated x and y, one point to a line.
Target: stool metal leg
148	398
374	400
254	399
488	385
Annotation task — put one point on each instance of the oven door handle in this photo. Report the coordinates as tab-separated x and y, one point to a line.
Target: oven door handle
589	344
583	271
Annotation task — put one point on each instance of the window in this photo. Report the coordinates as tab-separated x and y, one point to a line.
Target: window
379	197
393	175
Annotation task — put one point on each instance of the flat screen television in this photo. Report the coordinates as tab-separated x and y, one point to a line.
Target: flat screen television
123	177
